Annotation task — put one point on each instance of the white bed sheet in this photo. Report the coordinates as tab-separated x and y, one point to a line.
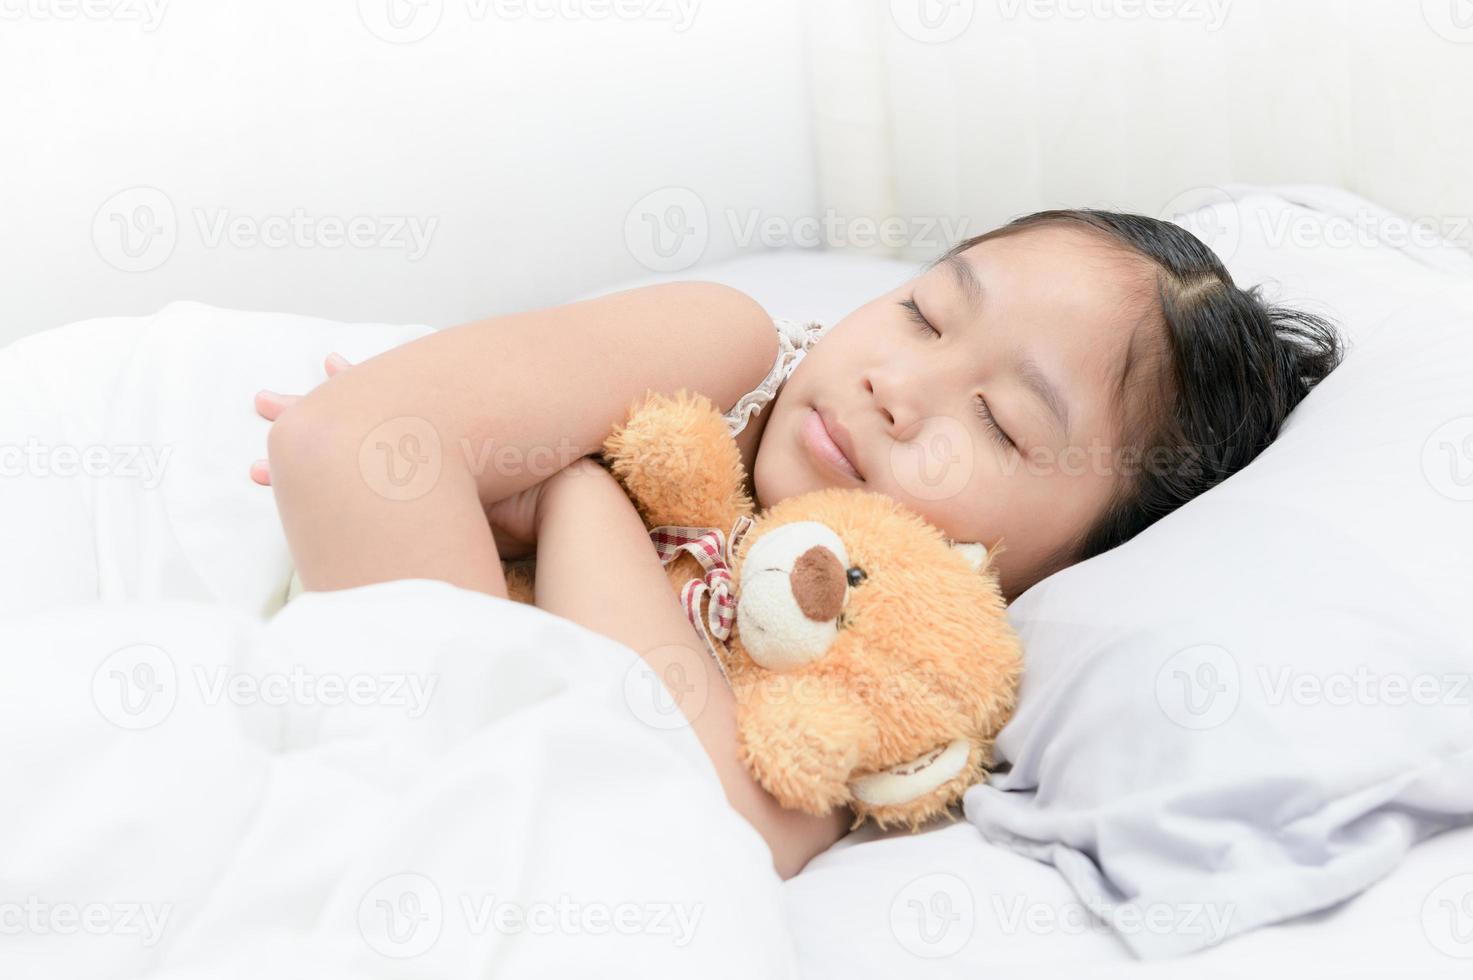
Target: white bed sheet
856	912
948	903
405	779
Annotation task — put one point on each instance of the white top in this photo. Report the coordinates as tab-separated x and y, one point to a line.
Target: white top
794	338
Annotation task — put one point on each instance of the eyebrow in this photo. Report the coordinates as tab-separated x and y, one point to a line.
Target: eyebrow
966	278
1028	370
1048	392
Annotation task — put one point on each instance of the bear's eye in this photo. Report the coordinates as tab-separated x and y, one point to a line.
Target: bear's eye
856	575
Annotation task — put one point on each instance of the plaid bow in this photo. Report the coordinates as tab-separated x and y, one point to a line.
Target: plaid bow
714	551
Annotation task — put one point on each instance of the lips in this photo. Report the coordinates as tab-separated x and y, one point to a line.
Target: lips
827	441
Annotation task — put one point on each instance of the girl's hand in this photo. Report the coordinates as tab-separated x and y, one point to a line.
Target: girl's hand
270	405
516	521
513	520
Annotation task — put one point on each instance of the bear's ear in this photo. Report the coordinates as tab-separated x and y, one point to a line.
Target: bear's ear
975	554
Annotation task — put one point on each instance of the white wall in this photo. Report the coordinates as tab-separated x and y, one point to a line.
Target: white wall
548	158
988	109
519	144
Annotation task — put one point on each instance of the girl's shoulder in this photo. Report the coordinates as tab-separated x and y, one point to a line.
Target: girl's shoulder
794	340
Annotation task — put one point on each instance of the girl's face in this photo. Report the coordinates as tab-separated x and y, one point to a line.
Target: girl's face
996	421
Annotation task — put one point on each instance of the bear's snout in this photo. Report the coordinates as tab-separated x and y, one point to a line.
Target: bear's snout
793	587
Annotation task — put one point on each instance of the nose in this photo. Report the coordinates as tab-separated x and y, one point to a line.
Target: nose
895	390
794	584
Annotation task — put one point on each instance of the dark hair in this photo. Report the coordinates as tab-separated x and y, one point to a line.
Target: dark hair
1233	367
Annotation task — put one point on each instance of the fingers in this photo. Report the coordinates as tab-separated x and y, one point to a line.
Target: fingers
270	404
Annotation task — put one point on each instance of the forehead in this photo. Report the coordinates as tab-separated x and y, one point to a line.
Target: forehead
1083	305
1067	281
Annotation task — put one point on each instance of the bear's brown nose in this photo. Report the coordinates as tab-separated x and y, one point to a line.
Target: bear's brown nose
818	582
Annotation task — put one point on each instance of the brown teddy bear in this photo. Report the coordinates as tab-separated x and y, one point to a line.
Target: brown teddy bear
871	659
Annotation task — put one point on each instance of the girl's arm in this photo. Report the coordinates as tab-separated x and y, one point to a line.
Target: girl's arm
385	471
595	566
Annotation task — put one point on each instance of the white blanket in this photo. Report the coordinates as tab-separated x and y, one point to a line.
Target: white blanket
406	779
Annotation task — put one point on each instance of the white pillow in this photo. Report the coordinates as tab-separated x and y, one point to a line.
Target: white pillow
1254	708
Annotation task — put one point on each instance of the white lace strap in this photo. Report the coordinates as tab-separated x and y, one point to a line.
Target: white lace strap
795	338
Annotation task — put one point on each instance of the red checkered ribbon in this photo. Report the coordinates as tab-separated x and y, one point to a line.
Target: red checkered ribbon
714	550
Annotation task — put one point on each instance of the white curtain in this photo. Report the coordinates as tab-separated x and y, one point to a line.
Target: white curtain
987	109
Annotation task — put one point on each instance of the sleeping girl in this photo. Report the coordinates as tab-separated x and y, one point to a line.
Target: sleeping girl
1057	385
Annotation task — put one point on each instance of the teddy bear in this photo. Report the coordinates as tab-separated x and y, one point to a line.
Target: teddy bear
871	659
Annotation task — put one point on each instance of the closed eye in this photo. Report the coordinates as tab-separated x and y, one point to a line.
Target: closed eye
997	431
919	318
984	410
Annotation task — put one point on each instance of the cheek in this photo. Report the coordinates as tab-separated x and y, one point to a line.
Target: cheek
775	468
1003	501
